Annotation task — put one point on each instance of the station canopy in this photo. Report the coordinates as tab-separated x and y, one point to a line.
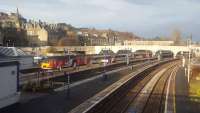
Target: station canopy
11	51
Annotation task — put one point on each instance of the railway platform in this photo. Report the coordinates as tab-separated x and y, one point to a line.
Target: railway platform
60	102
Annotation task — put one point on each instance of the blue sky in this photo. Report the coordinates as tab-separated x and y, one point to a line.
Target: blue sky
146	18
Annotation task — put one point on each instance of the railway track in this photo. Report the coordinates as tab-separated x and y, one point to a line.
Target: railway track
110	74
150	99
76	75
138	96
156	100
126	100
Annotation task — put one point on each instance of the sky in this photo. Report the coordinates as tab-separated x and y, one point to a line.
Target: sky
145	18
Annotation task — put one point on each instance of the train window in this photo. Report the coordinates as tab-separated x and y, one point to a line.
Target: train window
106	52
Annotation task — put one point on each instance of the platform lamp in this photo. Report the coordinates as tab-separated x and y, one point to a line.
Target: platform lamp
189	57
105	63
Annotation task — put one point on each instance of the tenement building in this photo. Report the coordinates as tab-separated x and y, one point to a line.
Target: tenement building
36	34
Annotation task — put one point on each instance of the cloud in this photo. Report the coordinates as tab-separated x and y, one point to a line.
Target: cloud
144	17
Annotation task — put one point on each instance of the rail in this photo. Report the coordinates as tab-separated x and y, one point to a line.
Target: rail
32	77
96	103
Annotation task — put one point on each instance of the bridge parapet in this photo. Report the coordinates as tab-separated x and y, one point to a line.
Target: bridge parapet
133	48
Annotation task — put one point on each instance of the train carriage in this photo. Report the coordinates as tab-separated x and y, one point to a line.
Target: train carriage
122	55
58	62
162	54
105	56
143	54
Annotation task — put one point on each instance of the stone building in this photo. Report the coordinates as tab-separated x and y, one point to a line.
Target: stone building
61	34
93	37
54	34
36	34
13	29
88	38
12	20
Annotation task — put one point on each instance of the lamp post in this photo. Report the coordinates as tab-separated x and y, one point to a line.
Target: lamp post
68	82
189	58
105	61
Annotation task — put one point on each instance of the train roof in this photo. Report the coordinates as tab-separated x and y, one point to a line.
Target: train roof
142	51
165	50
124	52
106	52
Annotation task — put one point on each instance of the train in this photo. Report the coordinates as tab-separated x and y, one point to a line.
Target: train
185	54
104	57
162	54
122	55
59	62
143	54
73	59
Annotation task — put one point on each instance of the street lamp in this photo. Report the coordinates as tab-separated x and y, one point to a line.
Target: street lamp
105	61
189	58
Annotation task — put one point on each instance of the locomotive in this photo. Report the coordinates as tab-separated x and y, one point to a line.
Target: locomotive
143	54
